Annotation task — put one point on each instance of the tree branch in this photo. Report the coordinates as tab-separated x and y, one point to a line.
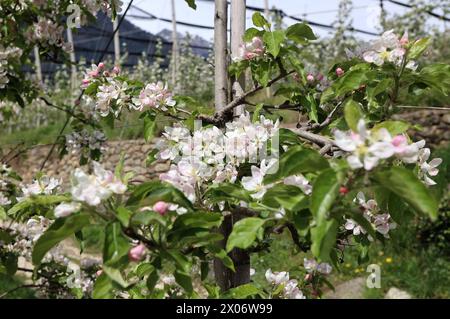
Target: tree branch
222	115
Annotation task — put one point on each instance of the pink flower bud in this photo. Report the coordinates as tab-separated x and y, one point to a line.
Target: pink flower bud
319	77
161	207
137	253
343	190
116	70
101	66
310	78
339	72
99	272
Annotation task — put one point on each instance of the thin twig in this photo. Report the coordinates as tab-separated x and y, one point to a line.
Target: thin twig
441	108
315	138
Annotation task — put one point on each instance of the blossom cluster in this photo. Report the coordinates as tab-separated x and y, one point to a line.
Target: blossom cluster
369	147
154	95
311	266
212	155
382	222
43	185
85	140
290	286
90	189
7	54
113	93
390	47
251	50
47	32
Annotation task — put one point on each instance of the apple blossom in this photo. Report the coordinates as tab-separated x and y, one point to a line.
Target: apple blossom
300	181
277	278
92	189
310	78
255	183
66	209
251	50
154	95
311	265
428	169
42	186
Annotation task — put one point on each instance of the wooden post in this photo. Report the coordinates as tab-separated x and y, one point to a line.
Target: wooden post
73	67
266	9
220	53
37	63
174	46
237	32
116	42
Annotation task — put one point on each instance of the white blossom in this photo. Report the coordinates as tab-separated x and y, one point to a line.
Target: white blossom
427	169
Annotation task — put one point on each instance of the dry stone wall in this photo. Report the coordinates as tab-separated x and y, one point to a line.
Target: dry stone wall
135	152
436	131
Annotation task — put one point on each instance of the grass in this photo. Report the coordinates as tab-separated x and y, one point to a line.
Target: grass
8	283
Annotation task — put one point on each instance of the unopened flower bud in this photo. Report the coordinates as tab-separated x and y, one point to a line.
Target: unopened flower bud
116	70
339	72
310	78
343	190
137	253
161	207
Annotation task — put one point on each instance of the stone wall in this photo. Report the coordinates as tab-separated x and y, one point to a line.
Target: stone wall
436	131
135	155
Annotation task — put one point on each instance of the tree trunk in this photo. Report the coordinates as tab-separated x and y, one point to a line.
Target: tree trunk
226	278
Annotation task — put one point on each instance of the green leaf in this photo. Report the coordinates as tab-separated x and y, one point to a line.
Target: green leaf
149	126
205	220
227	191
115	275
250	33
157	191
242	292
324	193
58	231
244	233
152	279
418	48
299	32
103	287
352	114
273	41
323	237
123	215
297	160
408	187
184	280
223	256
180	260
146	218
259	21
191	3
116	245
287	196
394	127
